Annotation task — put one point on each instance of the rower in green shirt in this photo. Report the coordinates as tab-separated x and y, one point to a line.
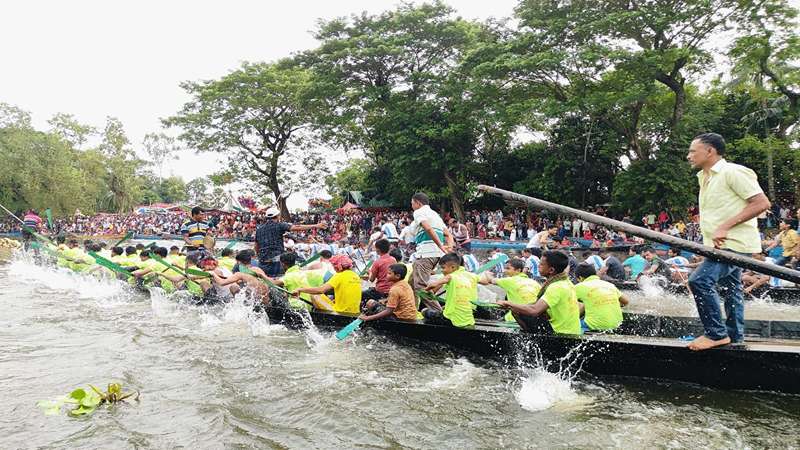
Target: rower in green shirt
600	301
557	302
294	279
520	288
462	289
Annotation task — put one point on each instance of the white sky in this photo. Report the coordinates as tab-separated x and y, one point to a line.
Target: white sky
97	58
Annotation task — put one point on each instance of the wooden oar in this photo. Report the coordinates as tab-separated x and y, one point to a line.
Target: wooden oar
27	228
313	258
655	236
49	215
365	269
176	269
108	264
273	285
127	236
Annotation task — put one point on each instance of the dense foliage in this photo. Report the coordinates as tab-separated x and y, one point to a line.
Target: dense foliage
55	168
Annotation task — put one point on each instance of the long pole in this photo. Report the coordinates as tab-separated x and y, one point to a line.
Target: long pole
710	252
12	214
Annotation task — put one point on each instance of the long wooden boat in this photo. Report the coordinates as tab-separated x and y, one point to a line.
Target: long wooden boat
761	364
787	295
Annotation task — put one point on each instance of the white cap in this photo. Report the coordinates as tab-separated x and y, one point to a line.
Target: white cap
272	212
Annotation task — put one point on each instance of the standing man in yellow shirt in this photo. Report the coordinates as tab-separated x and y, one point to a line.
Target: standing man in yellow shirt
789	240
730	201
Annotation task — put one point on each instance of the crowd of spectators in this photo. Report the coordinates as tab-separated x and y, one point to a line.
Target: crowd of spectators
511	224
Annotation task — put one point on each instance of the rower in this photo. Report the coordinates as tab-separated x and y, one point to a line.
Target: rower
147	267
594	259
217	292
470	262
131	257
462	290
634	263
175	258
345	284
612	269
600	301
139	248
32	221
226	259
556	303
399	305
657	266
379	274
680	267
520	289
248	275
294	279
789	242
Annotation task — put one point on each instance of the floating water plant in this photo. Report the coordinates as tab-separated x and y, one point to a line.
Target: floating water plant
86	401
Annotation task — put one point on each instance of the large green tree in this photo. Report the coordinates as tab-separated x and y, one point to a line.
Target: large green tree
258	116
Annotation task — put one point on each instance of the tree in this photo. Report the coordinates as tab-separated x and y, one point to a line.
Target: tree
172	190
122	169
13	116
74	132
197	190
353	176
159	147
393	89
258	115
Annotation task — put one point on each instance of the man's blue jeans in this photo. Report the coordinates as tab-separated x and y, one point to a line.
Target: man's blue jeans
709	282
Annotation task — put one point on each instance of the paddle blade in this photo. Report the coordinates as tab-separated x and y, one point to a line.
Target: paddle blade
495	261
127	236
348	330
198	273
49	215
313	258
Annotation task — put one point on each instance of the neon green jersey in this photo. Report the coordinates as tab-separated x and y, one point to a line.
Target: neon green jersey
601	302
296	279
520	290
562	307
461	290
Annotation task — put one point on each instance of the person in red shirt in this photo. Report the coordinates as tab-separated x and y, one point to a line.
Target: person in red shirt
379	274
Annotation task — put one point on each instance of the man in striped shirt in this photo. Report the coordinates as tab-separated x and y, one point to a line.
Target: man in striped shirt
195	230
595	260
389	231
531	264
470	261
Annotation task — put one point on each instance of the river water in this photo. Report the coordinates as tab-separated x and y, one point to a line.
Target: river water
227	378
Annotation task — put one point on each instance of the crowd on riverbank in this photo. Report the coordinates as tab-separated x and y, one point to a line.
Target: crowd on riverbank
509	225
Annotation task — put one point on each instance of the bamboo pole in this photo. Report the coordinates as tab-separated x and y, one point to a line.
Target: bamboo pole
694	247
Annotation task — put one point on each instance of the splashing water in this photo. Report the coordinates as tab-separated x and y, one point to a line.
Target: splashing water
542	390
459	375
86	286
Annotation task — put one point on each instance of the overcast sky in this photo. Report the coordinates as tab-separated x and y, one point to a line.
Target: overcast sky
108	58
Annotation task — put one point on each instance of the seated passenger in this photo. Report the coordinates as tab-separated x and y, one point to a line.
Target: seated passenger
400	304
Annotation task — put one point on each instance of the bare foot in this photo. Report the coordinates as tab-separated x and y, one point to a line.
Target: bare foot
705	343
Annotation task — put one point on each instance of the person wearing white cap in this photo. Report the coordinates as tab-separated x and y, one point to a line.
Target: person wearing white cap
269	241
